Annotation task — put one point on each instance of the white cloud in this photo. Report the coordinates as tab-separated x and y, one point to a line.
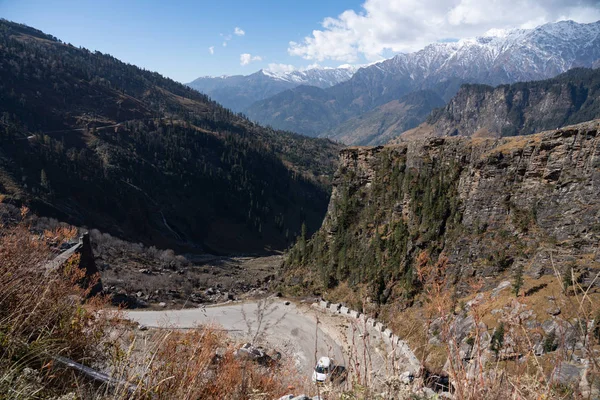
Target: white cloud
409	25
224	44
211	49
246	58
281	68
239	31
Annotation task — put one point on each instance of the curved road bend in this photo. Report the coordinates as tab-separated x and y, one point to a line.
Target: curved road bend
281	326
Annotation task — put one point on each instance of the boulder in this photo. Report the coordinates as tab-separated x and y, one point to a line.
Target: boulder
250	352
461	327
407	377
503	285
91	280
554	311
567	374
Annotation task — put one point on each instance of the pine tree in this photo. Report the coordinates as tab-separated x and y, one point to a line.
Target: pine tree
497	339
302	240
518	281
44	180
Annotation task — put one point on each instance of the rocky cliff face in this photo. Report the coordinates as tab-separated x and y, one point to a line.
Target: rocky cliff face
519	109
491	206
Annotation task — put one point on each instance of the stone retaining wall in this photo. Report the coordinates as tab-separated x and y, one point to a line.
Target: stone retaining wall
400	346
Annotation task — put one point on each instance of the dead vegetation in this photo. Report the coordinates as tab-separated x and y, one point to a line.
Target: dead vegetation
44	315
505	352
41	312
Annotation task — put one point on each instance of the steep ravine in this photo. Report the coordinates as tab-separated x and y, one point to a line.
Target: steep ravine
491	206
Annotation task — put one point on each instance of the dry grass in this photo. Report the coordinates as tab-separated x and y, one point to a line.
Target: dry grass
41	314
198	364
508	144
516	372
353	297
45	314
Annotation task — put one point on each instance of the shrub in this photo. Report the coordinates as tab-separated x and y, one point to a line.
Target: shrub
497	339
550	344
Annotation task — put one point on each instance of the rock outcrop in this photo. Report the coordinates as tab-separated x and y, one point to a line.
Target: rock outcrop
490	206
519	109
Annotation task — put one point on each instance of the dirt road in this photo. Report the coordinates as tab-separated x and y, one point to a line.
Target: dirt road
270	323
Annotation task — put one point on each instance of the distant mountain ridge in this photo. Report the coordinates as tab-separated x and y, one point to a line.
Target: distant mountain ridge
522	108
237	92
506	57
386	121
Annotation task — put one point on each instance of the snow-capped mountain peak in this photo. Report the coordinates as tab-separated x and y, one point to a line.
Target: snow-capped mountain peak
497	57
319	76
239	91
503	56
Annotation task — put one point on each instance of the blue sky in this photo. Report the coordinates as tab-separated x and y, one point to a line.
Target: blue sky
174	37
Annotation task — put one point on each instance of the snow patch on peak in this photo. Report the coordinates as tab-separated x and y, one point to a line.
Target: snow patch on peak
494	32
316	75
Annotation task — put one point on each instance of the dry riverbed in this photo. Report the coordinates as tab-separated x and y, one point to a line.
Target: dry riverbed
145	282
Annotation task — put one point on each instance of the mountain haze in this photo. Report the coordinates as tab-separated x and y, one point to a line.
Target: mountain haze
386	121
238	92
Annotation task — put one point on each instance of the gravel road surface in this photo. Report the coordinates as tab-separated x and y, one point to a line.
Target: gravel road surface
270	323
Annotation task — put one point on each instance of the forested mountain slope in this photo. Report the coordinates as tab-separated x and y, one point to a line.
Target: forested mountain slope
387	121
94	141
